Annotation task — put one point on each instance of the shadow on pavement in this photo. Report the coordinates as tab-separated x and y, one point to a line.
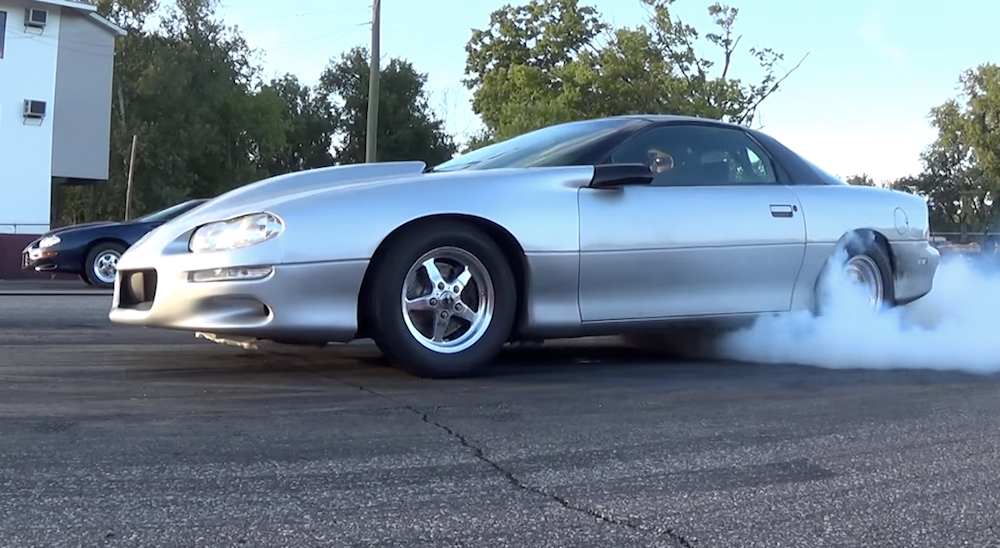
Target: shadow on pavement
582	361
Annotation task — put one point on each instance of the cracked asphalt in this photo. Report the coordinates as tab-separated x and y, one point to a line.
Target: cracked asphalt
115	436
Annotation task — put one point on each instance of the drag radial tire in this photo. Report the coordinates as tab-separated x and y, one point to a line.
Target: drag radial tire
442	301
870	253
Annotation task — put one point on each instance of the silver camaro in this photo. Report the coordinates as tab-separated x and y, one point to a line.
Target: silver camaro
599	227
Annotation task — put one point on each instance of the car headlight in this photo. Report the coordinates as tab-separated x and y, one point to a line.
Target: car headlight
236	233
49	241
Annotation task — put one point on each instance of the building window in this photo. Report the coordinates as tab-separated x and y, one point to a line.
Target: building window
3	31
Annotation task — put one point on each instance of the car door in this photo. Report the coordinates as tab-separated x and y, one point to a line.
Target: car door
715	233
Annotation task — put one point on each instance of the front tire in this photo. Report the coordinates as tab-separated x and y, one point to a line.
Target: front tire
101	264
443	300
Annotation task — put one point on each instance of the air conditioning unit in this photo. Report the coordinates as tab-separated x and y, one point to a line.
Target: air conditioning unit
35	18
34	109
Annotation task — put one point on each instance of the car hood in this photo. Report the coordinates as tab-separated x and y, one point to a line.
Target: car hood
262	194
80	227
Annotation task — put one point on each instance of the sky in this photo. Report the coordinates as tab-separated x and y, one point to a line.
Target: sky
858	103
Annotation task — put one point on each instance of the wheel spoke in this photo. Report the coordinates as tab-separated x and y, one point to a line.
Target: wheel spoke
467	314
419	304
433	274
461	281
440	328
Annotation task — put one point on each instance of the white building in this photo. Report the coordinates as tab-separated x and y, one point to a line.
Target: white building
56	66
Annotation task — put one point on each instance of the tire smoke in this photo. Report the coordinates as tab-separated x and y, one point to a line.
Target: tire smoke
954	327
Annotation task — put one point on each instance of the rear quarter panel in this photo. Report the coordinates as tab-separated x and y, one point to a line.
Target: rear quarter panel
833	211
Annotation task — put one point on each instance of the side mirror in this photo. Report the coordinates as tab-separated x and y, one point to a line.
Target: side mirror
618	175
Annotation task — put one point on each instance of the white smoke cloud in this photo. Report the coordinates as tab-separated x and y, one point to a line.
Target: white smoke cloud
956	327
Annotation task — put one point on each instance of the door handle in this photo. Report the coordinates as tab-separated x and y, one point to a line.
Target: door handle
782	210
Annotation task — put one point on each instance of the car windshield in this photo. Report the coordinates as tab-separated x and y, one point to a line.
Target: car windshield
551	146
169	213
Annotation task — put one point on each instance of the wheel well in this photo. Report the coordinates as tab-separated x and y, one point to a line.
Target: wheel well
880	240
508	244
99	241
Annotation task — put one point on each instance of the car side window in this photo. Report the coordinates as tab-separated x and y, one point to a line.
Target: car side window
698	155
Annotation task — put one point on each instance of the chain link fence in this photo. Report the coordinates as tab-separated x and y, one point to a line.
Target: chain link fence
955	242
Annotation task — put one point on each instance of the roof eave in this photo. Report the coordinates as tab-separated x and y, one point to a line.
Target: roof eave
72	4
107	24
90	10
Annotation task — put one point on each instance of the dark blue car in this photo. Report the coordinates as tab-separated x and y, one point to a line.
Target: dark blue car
91	250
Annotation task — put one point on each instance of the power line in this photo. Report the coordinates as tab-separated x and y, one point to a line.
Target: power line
424	44
435	13
307	46
273	16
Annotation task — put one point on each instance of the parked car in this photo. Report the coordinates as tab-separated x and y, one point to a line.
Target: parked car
92	250
597	227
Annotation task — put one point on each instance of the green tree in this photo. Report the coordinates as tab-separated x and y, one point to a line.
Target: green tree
952	182
134	53
189	89
204	98
961	168
860	180
977	121
309	126
553	61
408	129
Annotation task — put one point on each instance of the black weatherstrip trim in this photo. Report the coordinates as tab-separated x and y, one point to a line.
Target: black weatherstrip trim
3	31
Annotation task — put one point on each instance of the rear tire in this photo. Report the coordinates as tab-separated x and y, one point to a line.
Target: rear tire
430	329
101	264
869	264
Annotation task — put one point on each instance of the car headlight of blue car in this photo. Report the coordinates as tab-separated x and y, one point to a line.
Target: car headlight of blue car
243	231
49	241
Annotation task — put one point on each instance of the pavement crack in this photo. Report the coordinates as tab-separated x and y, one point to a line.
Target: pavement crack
513	480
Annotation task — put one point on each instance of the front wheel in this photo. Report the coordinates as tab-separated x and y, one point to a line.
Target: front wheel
443	300
101	264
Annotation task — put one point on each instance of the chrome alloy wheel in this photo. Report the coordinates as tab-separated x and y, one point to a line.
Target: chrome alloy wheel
862	271
106	266
448	300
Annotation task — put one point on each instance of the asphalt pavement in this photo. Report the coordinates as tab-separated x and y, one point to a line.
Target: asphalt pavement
116	436
49	287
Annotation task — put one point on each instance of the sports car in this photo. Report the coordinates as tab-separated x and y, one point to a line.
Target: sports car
91	250
606	226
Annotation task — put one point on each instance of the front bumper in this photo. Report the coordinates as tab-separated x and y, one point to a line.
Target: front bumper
304	301
41	260
916	264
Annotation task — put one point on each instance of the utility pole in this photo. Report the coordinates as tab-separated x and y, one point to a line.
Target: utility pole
370	133
128	185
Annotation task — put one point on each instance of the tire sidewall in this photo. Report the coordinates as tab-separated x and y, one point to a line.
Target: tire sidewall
393	335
